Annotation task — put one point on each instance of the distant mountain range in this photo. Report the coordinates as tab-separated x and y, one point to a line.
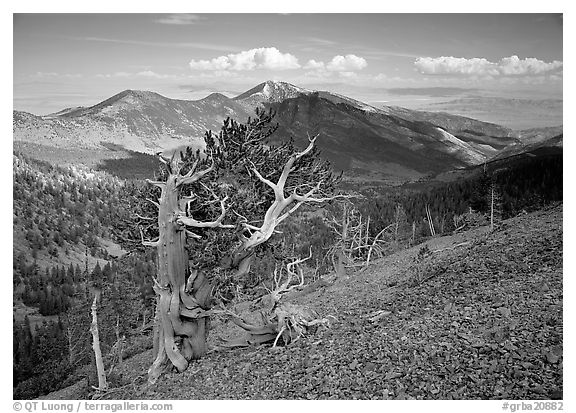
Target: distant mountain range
390	144
137	120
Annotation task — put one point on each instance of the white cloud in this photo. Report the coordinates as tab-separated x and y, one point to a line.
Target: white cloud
346	63
508	66
348	75
142	74
41	75
111	75
314	65
346	66
219	74
46	74
449	65
513	65
150	73
260	58
218	63
180	19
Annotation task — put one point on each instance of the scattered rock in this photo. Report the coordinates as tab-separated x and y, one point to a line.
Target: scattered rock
451	337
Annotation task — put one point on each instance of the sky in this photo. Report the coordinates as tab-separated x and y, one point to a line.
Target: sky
67	60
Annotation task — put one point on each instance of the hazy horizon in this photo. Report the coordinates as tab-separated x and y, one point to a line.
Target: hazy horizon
67	60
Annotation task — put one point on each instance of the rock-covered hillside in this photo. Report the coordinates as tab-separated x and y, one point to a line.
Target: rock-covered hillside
475	315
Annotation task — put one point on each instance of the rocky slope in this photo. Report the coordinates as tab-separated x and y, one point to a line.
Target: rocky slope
476	315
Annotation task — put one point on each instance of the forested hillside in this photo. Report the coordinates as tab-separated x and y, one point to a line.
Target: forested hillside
57	209
521	184
59	352
62	223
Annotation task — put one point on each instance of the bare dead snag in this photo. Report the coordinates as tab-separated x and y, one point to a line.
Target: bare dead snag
180	334
373	246
354	247
430	221
102	385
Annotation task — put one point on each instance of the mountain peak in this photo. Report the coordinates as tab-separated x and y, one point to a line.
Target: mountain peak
272	91
215	97
125	99
134	96
138	94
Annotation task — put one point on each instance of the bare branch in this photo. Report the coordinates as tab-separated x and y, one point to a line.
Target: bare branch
307	197
159	184
144	218
148	243
261	178
250	227
288	167
285	287
156	204
193	234
191	222
193	176
374	243
283	207
162	159
244	223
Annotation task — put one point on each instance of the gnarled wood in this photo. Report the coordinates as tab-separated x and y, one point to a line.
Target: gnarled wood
185	296
182	294
281	208
282	320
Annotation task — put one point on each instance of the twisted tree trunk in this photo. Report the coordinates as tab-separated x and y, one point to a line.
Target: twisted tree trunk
179	338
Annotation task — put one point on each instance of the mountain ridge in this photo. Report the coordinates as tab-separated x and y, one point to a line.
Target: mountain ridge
390	143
